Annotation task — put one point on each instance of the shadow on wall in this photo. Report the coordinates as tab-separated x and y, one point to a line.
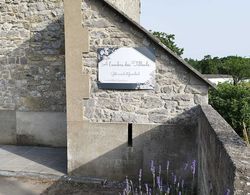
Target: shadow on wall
32	80
220	168
167	142
161	143
32	72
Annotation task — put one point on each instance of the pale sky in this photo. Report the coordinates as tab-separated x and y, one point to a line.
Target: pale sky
201	27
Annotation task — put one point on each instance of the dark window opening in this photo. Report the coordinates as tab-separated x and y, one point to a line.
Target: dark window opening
130	135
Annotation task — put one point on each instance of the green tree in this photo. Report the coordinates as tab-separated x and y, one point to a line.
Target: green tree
237	67
207	65
169	41
233	103
194	63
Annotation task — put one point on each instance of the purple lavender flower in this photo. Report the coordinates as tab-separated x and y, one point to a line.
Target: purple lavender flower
227	192
136	192
159	170
182	183
152	167
151	164
186	166
167	165
193	167
179	193
131	186
175	179
140	173
146	186
168	190
140	177
158	181
127	189
150	191
161	189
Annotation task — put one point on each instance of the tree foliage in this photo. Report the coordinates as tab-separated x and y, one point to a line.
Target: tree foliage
233	103
237	67
169	41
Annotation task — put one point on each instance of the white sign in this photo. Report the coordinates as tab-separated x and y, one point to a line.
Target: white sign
129	67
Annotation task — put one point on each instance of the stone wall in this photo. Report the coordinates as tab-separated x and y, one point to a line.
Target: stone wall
32	75
130	7
224	159
177	89
32	72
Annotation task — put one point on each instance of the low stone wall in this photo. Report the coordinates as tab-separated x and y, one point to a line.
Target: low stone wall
33	128
224	159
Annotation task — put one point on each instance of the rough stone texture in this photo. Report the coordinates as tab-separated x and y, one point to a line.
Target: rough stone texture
130	7
177	89
224	159
32	75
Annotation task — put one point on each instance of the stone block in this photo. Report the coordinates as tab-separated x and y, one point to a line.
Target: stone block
197	89
183	97
201	99
152	102
158	118
167	89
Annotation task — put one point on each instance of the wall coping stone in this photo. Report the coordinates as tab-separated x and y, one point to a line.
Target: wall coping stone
234	146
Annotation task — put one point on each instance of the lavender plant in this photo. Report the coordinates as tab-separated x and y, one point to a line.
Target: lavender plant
162	182
227	192
173	185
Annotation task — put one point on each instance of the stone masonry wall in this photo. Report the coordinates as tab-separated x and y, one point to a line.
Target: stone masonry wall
176	91
32	74
224	159
131	7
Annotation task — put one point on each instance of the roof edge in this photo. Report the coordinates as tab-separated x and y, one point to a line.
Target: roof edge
158	42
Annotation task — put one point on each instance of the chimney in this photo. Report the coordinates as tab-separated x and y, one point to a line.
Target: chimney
130	7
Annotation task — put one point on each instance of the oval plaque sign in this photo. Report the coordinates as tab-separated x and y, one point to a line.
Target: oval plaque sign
126	68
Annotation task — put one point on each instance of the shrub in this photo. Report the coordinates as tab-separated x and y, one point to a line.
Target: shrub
233	103
164	181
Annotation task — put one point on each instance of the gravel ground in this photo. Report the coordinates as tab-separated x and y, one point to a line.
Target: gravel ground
72	188
23	186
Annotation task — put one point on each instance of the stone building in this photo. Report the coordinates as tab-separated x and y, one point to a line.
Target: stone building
171	103
55	58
